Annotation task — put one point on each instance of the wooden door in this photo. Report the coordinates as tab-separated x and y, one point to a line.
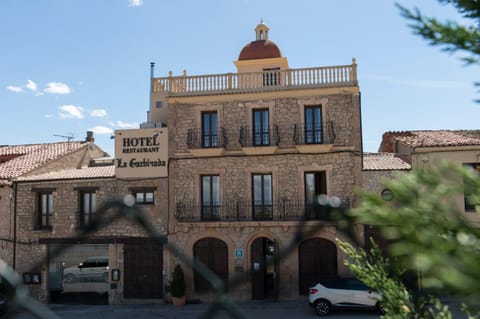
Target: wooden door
213	253
257	255
143	267
317	259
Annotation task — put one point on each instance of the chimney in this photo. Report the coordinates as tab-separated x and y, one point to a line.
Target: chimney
89	137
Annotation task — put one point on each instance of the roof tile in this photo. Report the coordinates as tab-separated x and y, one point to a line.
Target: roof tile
76	173
384	161
17	160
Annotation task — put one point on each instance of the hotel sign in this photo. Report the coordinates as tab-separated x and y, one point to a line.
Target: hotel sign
141	152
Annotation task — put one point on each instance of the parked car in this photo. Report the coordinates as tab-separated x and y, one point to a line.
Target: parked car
93	269
3	305
342	293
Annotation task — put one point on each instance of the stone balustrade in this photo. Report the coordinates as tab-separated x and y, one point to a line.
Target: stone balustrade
228	83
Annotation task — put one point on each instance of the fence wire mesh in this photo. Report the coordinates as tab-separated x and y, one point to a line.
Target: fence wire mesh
19	298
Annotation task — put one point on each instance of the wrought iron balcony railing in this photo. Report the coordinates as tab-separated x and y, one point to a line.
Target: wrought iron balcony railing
239	211
198	138
267	136
313	134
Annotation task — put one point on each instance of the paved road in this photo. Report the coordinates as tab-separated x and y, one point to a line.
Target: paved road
248	310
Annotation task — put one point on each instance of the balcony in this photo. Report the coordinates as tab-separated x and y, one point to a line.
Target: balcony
254	142
254	138
231	83
243	211
197	138
307	135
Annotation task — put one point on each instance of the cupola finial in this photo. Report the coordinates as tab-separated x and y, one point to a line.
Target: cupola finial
261	31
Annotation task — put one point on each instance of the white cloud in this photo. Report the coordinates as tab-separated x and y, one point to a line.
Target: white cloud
71	111
49	116
57	88
98	113
101	130
13	88
135	3
124	125
32	86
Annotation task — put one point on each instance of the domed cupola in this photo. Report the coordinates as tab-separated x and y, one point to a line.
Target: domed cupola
261	53
262	47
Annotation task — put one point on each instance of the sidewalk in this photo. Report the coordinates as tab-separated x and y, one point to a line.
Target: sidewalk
247	310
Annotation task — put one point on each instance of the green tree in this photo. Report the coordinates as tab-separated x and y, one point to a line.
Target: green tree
379	274
428	233
452	36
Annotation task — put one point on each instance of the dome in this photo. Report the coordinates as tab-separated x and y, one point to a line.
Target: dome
259	49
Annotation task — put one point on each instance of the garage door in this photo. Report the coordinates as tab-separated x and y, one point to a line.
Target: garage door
317	258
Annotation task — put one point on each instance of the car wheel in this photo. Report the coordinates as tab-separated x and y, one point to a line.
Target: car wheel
322	307
380	308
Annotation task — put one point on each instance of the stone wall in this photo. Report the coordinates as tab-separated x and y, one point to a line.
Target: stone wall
373	181
287	174
341	110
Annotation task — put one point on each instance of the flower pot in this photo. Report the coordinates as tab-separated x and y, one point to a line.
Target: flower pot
178	301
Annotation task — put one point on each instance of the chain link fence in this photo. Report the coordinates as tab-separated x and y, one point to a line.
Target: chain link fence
19	298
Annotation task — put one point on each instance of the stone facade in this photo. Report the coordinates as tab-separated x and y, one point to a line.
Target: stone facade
287	163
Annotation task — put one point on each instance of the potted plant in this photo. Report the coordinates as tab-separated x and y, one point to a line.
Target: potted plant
177	286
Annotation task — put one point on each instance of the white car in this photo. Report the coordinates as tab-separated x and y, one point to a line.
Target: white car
342	293
93	269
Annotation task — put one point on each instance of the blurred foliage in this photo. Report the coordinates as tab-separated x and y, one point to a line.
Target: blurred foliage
452	36
379	274
427	233
376	272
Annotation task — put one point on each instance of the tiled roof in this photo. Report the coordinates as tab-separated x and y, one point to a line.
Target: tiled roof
438	138
80	173
19	159
384	161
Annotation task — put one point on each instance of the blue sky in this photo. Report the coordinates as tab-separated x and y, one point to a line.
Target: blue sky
68	66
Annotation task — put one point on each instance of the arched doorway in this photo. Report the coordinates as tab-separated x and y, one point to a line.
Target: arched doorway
213	253
317	258
264	277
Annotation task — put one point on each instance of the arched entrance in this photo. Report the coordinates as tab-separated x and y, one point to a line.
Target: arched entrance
264	278
317	258
213	253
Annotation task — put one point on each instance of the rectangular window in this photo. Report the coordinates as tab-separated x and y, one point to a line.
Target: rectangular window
143	195
313	125
271	77
210	197
261	130
45	210
209	129
262	197
469	206
315	185
88	206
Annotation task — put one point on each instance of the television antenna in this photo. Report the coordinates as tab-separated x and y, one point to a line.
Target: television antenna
68	137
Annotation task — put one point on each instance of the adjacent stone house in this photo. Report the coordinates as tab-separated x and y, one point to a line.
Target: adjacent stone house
75	197
428	148
24	160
